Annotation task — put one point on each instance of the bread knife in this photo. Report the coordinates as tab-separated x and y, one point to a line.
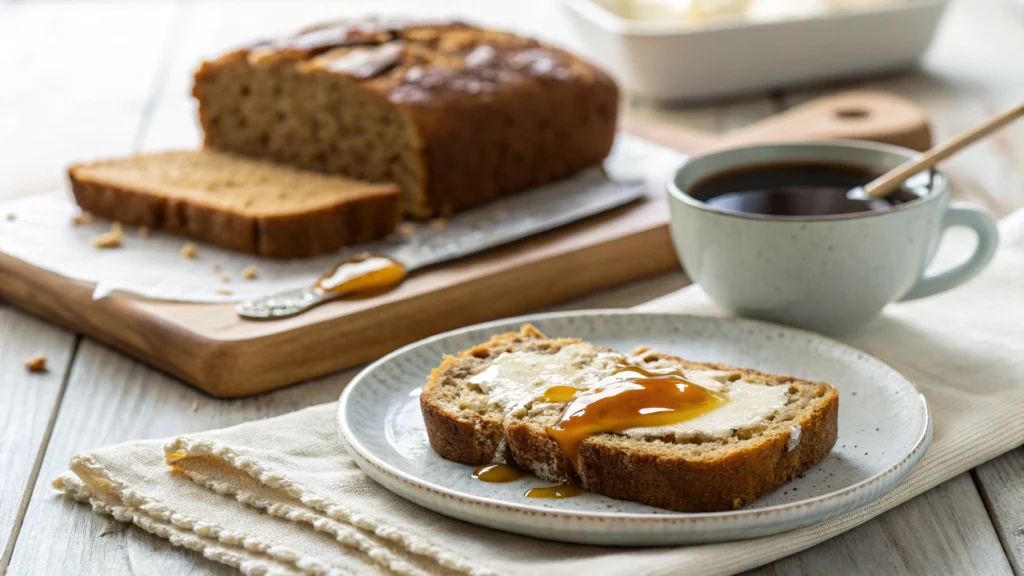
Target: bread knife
495	224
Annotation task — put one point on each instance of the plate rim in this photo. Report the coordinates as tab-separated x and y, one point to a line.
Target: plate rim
360	453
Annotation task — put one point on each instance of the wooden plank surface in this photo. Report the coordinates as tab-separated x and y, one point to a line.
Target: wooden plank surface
1001	483
79	75
28	405
943	531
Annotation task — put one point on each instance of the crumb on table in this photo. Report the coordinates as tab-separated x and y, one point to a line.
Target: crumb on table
82	218
250	273
11	215
36	363
143	232
225	278
189	250
216	267
224	291
111	239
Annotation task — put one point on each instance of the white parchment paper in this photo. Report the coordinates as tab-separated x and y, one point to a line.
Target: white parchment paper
41	233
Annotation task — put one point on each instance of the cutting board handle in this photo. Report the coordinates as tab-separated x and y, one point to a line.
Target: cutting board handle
853	115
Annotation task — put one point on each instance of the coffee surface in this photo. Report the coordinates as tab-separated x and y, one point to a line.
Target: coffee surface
794	189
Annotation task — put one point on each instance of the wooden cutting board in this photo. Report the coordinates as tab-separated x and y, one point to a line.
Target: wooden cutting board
208	346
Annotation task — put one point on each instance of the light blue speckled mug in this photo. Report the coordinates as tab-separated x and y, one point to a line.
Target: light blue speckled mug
831	274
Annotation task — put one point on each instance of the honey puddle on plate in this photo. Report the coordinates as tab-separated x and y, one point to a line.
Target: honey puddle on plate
631	397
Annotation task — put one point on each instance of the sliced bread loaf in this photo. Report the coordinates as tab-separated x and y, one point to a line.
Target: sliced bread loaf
237	202
456	115
488	404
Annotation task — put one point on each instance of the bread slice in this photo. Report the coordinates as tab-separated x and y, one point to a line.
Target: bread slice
678	468
236	202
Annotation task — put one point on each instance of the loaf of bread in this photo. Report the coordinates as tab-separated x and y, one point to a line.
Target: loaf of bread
699	466
237	202
454	114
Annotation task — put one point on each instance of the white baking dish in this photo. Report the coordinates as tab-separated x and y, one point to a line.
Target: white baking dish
676	60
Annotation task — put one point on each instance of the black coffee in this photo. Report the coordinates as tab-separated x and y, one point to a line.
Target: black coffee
794	189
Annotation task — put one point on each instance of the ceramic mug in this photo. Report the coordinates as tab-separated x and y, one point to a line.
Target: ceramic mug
833	273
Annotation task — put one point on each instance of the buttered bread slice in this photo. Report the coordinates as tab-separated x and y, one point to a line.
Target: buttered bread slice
648	427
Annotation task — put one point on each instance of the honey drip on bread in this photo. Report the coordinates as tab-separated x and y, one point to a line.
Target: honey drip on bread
364	274
631	397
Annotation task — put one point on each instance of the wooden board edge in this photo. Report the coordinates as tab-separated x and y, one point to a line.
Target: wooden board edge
241	367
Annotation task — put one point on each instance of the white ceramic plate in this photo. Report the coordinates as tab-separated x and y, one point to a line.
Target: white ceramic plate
884	430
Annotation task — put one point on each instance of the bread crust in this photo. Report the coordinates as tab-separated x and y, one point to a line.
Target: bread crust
291	234
630	469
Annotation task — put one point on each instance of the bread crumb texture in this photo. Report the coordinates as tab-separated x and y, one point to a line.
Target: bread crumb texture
250	273
110	239
36	363
189	250
82	218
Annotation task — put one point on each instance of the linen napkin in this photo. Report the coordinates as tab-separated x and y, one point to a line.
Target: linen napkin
280	496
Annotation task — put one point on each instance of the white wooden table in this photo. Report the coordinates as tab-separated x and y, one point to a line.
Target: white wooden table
91	78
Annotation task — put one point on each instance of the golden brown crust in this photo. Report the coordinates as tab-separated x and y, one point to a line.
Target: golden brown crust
291	234
490	113
467	436
646	471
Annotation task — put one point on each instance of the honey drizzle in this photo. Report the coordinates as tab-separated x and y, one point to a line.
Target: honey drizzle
497	473
559	393
364	274
631	397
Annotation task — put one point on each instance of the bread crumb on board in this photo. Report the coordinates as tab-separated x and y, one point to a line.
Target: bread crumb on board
250	273
83	218
189	250
143	232
111	239
216	267
36	363
225	278
224	291
11	215
438	224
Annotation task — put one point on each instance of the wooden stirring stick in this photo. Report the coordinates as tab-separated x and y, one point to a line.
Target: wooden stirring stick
887	183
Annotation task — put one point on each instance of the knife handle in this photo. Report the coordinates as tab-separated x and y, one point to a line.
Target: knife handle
283	304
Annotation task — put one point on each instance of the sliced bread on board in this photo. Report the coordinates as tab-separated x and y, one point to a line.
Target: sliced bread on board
237	202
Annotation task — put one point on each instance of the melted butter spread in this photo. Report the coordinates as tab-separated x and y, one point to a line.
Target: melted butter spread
515	379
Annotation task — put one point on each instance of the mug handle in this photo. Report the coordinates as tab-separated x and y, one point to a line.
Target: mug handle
984	225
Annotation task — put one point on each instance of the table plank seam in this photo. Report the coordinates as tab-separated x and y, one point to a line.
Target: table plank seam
26	495
169	51
993	517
